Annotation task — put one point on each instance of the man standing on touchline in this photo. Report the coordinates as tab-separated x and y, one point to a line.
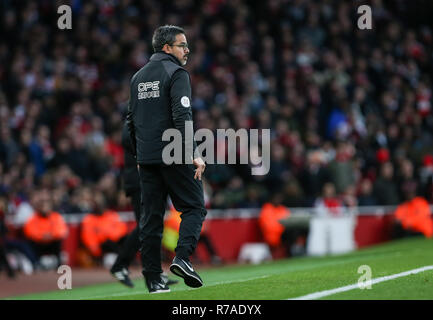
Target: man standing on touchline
160	98
131	185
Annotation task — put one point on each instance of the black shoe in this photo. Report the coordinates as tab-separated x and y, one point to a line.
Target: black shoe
122	276
185	270
157	286
167	280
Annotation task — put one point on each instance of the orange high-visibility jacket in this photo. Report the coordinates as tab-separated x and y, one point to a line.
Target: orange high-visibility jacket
173	220
415	215
269	222
96	229
45	228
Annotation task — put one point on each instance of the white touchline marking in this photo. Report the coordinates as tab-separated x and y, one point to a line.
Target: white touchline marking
120	294
321	294
237	281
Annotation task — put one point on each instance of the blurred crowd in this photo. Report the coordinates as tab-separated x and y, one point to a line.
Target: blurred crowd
350	110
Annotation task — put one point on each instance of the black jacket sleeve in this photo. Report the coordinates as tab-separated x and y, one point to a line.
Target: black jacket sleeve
131	129
180	96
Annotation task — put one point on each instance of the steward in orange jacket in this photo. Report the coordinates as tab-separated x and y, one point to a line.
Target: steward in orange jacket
269	223
45	228
171	235
99	229
414	215
173	220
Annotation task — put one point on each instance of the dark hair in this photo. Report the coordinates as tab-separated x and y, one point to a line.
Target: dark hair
165	34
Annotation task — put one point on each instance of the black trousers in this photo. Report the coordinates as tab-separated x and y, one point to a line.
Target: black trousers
398	232
4	261
132	244
186	193
110	246
290	235
54	247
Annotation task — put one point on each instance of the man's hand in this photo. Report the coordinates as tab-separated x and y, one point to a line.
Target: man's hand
200	166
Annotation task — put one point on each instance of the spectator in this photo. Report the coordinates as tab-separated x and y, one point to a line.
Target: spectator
40	150
114	149
426	178
279	170
171	235
314	176
348	197
342	167
45	229
102	231
406	179
329	205
79	160
272	229
232	195
384	188
293	195
365	196
253	197
4	264
412	217
8	147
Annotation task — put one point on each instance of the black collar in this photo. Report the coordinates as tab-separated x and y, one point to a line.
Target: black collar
160	55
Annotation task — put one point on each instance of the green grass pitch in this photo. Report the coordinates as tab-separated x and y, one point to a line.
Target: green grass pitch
290	278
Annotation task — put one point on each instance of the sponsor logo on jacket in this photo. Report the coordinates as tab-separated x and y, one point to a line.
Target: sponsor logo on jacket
148	90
